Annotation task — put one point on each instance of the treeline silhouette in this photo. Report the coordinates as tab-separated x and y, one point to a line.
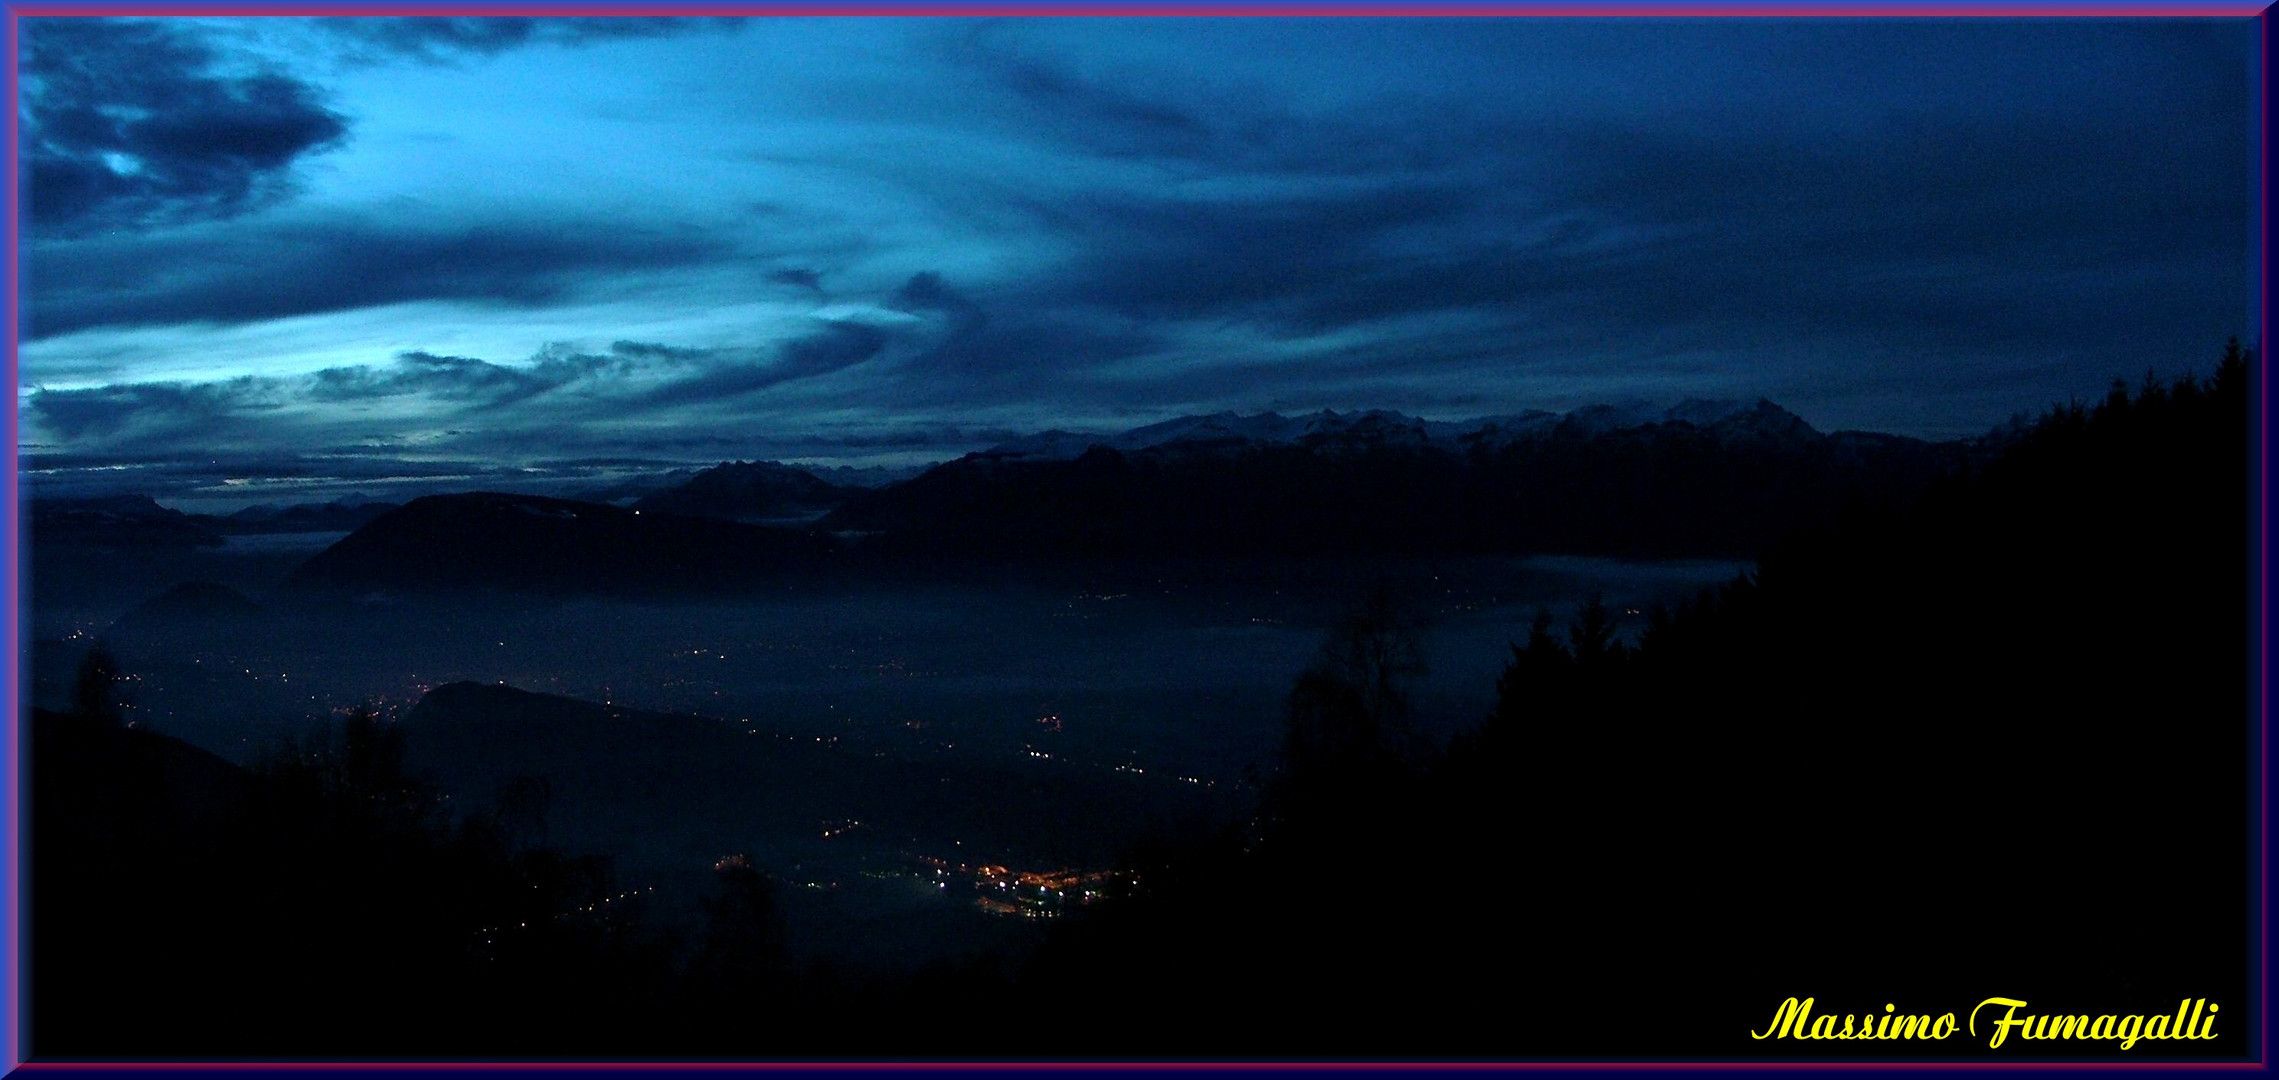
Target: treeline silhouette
1993	744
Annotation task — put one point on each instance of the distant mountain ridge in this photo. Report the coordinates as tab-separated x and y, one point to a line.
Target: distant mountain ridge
1328	429
116	522
750	491
1698	479
340	515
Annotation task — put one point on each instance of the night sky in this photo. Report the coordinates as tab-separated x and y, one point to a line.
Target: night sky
275	258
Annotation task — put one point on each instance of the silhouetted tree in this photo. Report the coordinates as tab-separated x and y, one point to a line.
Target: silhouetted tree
1329	722
1354	700
371	756
94	693
741	955
522	810
1592	634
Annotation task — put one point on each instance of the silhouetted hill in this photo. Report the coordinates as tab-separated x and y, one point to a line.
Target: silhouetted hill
134	771
625	490
339	515
187	612
460	544
752	491
486	725
132	834
118	522
316	905
1701	479
328	903
194	600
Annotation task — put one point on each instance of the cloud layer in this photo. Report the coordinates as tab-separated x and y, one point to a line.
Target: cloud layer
128	124
674	239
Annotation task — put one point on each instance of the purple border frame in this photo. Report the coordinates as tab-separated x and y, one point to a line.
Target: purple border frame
12	788
12	745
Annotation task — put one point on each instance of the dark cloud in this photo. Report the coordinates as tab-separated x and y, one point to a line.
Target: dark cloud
803	278
1991	236
1962	248
1275	258
439	38
247	274
131	416
1103	117
150	411
837	346
223	480
1004	349
1670	229
480	385
126	124
644	350
445	378
426	402
926	291
1200	125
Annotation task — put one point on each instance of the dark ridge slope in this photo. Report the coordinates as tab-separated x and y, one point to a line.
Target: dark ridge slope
1581	485
528	544
749	491
121	522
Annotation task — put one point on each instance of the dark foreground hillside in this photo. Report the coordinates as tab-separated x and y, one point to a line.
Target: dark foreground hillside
323	905
2019	769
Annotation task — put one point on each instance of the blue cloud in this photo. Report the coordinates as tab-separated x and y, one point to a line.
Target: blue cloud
127	124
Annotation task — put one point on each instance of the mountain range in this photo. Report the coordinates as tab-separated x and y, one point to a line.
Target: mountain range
1697	479
1333	431
1700	479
